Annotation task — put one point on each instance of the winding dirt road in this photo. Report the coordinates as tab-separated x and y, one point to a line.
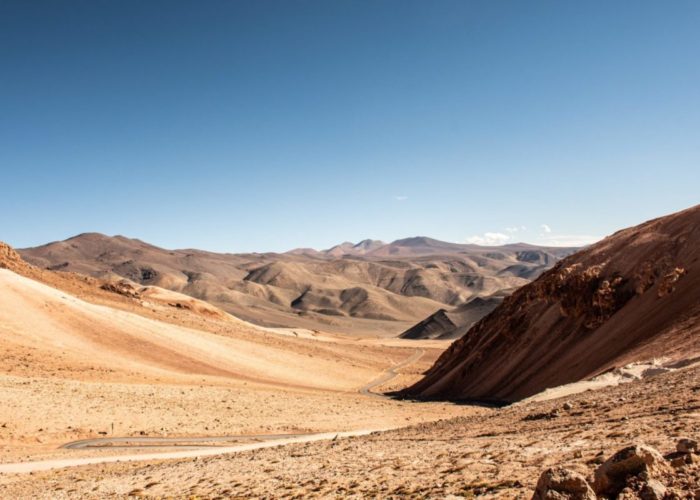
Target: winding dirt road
132	442
203	449
26	467
390	374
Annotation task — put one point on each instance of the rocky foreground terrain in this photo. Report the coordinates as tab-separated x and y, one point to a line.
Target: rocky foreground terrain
500	453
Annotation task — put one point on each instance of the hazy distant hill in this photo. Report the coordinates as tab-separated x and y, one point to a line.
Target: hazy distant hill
368	286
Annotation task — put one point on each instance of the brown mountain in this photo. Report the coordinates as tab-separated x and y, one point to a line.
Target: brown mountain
365	287
452	324
633	296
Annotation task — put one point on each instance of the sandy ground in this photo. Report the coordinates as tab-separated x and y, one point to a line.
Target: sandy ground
38	415
73	369
496	454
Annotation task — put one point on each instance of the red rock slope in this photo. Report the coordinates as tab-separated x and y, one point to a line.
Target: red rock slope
633	296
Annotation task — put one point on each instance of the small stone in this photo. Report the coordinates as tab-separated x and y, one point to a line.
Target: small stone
653	490
562	484
680	459
627	494
568	406
686	445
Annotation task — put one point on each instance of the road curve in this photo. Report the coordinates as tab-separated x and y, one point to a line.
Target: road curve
390	374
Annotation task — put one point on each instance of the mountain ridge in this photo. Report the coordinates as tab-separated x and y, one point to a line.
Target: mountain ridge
373	288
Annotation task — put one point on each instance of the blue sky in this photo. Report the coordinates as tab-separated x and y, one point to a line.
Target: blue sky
262	125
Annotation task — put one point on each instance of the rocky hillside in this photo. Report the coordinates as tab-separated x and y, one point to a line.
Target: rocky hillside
633	296
10	259
369	286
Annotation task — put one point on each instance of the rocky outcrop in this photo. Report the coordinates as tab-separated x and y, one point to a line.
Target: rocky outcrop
634	461
10	259
631	297
635	472
122	287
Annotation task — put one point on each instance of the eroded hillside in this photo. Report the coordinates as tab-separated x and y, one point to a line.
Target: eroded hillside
631	297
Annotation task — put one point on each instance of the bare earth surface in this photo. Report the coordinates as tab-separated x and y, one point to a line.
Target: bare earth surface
80	362
496	454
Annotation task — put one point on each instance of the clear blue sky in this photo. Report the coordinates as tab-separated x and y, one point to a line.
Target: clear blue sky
261	125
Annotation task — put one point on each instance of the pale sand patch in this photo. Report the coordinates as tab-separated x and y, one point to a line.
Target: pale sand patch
622	375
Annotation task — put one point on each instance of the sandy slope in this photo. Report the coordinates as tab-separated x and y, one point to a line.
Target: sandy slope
115	363
36	316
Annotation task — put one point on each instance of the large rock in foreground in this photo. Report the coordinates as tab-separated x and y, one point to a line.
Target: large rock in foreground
562	484
612	476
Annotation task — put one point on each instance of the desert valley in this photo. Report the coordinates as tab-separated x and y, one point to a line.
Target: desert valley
127	372
387	249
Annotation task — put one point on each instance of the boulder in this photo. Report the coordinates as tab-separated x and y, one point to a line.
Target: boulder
611	477
562	484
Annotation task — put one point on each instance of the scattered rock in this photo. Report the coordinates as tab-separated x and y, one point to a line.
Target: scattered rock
686	445
680	459
562	484
611	477
542	416
568	406
122	287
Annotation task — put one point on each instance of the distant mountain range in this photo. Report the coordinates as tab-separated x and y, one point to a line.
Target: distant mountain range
370	286
422	246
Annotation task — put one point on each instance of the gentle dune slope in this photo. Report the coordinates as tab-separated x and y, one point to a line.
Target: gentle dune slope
70	332
632	297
